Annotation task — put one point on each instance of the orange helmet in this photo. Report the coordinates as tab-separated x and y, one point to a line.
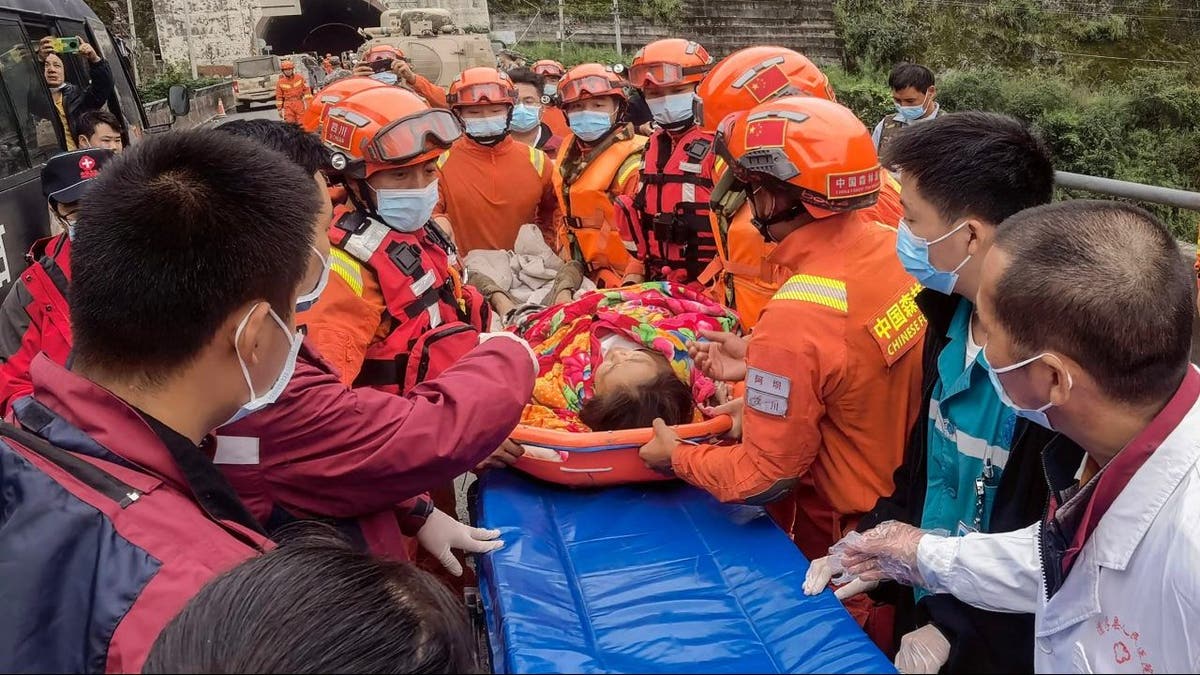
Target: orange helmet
314	116
668	62
817	147
378	52
748	77
287	64
482	86
549	68
589	80
385	128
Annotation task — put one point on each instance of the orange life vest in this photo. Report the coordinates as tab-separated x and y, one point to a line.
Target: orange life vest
587	206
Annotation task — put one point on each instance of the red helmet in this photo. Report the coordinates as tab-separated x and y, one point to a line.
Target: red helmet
589	80
669	62
748	77
314	116
482	86
385	128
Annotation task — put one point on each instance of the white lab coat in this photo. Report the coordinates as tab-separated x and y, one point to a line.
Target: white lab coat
1131	602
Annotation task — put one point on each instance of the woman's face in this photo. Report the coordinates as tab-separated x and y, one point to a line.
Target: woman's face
625	369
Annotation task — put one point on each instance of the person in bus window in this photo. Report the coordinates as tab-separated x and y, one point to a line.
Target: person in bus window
68	100
99	129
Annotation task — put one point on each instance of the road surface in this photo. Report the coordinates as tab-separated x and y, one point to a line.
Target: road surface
262	111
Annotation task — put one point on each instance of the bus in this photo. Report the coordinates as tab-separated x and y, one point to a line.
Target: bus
25	142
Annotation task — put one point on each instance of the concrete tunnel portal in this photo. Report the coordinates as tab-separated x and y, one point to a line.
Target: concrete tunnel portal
323	26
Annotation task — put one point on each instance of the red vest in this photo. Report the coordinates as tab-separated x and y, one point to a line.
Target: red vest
435	318
675	240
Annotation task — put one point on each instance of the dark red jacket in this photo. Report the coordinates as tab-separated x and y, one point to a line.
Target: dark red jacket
35	316
104	539
325	450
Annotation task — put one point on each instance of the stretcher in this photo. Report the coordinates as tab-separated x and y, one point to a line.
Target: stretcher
651	578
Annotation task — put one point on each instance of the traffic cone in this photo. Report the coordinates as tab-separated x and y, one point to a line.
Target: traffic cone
220	108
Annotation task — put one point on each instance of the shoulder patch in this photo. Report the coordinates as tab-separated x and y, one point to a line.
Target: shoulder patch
898	325
816	290
767	392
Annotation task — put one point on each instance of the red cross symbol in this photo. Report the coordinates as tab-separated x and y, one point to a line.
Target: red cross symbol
87	163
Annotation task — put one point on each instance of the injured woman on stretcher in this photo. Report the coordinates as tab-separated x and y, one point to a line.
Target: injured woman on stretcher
614	359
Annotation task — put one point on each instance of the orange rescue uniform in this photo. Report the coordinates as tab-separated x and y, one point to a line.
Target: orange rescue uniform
833	385
434	95
291	97
349	318
488	193
556	119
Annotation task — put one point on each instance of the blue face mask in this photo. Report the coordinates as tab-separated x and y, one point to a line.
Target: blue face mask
486	128
549	89
386	77
912	113
590	125
914	255
525	117
1035	415
406	210
671	110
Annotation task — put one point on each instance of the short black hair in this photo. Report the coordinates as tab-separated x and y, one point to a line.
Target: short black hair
974	164
86	122
527	76
313	605
905	75
1104	283
288	140
174	236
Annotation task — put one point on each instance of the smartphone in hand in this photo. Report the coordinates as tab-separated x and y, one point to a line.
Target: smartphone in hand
66	45
381	65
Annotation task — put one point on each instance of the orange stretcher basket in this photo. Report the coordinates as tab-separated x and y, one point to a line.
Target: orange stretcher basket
599	458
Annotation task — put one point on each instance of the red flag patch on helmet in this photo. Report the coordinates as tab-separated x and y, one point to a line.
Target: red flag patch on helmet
766	133
767	83
854	183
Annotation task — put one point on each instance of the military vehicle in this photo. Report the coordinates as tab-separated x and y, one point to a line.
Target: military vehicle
429	39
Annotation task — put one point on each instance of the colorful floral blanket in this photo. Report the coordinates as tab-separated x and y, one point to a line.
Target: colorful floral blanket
566	338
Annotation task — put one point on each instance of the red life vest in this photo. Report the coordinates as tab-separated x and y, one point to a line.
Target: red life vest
436	320
675	240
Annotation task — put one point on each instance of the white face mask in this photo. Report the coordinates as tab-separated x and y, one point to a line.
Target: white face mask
1035	415
673	109
257	402
308	299
486	128
406	209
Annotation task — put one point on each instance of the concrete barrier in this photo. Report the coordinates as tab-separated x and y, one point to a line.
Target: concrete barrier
204	106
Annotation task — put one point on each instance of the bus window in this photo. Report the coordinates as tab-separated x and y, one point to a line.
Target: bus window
124	103
28	103
13	55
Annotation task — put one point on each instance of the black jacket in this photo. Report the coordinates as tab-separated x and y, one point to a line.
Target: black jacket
77	100
980	641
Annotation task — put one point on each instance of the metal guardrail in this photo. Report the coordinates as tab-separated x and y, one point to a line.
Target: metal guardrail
1155	194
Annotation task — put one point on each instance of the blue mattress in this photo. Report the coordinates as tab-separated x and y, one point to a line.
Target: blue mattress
652	579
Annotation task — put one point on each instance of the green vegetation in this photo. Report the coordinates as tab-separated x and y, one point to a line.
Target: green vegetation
176	73
659	11
1128	119
574	54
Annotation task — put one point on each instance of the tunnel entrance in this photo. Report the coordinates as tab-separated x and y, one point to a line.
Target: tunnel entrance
323	26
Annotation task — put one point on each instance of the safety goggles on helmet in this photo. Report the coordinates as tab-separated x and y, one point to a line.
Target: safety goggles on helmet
548	70
660	74
484	92
591	85
409	137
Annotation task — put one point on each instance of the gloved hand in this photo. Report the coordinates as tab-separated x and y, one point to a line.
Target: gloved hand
441	533
821	571
888	551
484	337
925	650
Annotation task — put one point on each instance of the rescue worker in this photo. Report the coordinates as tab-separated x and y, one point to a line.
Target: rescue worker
745	275
491	185
327	97
971	465
327	64
553	73
527	124
364	458
292	93
914	93
389	65
35	316
394	313
832	372
669	219
114	515
597	162
1109	570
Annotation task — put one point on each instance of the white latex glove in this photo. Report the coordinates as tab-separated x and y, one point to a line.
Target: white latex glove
887	551
925	650
822	570
441	533
484	337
